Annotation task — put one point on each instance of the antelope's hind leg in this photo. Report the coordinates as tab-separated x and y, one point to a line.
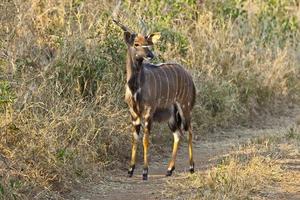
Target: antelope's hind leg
171	166
174	125
191	160
135	137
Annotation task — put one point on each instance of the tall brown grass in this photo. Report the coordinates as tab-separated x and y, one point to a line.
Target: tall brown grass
62	77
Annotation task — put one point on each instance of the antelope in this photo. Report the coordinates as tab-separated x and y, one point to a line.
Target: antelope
156	93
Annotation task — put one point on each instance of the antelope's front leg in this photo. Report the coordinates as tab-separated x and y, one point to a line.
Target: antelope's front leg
146	147
135	137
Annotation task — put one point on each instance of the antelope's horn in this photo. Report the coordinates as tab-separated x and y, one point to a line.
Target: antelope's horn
124	28
144	27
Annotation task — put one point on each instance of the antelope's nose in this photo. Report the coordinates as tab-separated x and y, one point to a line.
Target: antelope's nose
150	55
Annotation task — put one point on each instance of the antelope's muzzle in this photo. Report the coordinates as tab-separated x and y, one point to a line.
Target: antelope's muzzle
149	55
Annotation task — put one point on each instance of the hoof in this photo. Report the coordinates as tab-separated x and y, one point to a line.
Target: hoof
192	168
169	172
131	170
145	174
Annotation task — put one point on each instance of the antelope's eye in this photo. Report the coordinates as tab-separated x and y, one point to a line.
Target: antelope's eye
136	45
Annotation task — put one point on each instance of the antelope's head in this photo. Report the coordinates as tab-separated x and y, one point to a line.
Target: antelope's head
139	44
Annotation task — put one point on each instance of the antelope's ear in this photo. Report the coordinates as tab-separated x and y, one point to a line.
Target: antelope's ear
153	38
129	37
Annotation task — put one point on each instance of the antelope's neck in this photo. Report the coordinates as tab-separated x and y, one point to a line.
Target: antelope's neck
132	66
134	71
129	65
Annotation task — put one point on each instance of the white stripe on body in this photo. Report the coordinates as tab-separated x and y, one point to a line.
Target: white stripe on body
176	81
160	89
188	87
167	79
178	86
180	97
152	74
147	82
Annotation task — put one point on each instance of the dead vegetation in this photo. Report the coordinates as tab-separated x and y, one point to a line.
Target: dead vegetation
268	167
62	115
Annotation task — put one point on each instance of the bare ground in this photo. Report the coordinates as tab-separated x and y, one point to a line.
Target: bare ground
207	150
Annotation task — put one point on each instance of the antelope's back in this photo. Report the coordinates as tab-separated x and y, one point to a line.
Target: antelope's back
167	84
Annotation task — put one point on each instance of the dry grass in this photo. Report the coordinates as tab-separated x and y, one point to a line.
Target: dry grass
233	180
62	114
264	168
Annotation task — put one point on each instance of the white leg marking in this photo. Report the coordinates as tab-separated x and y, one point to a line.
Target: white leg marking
176	136
136	136
136	122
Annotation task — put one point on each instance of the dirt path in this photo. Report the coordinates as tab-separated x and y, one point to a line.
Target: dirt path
206	152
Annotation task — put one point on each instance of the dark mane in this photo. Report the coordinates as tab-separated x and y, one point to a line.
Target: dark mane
150	65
